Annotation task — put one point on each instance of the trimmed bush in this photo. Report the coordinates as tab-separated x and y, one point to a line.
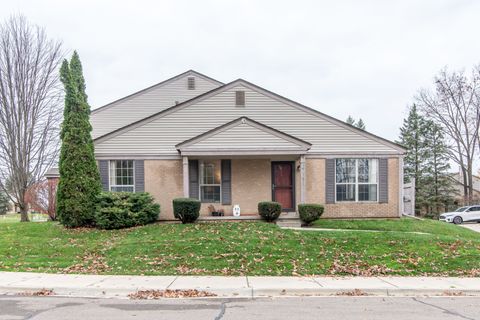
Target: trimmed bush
117	210
310	212
269	210
186	210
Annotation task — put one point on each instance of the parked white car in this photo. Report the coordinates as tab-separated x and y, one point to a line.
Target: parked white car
463	214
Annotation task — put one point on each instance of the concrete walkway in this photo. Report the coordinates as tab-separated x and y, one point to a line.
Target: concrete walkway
243	286
472	226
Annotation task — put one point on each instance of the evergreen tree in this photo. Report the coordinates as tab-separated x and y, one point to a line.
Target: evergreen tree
79	183
360	124
438	183
4	203
412	137
350	120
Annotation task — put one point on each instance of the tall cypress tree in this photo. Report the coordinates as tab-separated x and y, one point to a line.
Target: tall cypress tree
79	177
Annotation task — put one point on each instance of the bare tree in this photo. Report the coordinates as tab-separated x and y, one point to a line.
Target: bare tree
454	106
30	108
41	197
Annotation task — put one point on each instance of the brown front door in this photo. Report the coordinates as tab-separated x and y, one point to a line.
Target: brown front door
283	185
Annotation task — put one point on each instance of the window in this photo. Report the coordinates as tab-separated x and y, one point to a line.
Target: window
122	176
356	179
210	181
240	98
191	83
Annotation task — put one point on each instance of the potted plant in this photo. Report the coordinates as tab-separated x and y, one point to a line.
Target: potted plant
214	212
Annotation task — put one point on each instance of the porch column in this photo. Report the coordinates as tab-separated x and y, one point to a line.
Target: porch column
302	179
186	192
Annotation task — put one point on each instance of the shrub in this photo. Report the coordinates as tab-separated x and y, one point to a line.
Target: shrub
186	210
269	210
310	212
116	210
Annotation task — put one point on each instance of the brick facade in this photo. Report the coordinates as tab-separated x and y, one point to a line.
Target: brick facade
251	183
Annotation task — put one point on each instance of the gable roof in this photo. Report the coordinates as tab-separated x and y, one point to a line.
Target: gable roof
243	136
400	149
162	83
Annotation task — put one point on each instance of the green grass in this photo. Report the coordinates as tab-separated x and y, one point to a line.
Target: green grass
402	225
15	217
238	249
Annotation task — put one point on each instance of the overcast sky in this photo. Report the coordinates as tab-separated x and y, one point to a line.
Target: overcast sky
361	58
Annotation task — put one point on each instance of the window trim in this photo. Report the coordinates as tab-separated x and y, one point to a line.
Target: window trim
356	183
118	185
201	184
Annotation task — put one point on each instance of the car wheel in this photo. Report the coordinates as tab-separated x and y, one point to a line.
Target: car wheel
457	220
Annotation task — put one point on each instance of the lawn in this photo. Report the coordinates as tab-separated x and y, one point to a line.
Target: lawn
251	248
15	217
401	225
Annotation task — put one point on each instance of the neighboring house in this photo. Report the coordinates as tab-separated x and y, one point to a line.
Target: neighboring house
239	144
457	179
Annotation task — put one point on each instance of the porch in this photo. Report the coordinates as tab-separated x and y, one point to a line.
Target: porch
240	164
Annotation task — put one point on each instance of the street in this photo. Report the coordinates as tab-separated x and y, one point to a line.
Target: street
53	308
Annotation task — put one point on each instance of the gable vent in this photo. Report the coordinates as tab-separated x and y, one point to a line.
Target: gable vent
240	98
191	83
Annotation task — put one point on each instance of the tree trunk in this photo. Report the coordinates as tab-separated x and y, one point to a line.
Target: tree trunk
465	185
470	182
24	214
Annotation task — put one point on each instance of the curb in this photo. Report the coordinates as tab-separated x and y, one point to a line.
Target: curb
249	293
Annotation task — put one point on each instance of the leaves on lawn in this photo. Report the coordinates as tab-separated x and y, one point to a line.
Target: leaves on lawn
93	263
158	294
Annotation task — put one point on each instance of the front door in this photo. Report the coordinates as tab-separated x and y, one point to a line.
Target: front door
283	184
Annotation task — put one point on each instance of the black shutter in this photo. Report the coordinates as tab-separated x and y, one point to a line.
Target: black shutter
383	180
139	175
330	181
226	182
103	168
193	178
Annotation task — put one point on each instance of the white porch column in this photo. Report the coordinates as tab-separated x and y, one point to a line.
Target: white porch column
186	192
302	180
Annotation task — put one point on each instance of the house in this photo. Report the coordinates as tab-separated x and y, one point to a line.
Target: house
236	143
458	189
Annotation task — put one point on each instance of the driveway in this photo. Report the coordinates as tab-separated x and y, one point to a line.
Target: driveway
472	226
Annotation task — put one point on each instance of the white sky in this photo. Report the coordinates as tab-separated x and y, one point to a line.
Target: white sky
363	58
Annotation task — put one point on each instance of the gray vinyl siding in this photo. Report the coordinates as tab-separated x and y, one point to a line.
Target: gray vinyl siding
103	168
330	181
139	175
147	103
383	180
160	135
244	136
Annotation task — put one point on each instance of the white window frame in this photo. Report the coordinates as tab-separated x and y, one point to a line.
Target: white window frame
110	185
356	183
201	165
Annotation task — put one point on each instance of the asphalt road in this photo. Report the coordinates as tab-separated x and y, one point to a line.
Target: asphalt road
391	308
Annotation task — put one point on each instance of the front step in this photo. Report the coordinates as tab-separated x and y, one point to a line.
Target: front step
289	223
